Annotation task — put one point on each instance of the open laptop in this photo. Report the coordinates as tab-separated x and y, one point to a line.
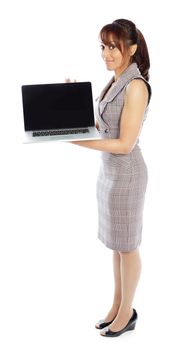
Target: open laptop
58	112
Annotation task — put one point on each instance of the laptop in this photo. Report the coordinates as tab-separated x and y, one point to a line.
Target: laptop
58	112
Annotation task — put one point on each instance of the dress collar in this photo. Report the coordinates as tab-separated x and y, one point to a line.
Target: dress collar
128	74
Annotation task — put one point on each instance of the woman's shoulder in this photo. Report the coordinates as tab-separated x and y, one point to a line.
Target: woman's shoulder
138	87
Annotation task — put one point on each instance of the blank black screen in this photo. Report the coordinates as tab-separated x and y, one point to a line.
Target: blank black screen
54	106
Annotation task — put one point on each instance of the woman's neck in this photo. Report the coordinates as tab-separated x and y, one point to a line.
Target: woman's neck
118	72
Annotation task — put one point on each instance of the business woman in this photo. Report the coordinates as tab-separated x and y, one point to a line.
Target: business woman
122	181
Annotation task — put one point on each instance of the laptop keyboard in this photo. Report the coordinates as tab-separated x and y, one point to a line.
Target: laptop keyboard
60	132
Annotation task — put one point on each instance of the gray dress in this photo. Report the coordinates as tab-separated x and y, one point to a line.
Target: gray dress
122	179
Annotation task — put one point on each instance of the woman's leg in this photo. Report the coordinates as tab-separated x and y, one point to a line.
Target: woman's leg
117	287
130	273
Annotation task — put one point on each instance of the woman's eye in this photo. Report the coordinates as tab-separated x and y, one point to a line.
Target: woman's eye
111	47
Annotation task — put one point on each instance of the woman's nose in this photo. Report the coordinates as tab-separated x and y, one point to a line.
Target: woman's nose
105	53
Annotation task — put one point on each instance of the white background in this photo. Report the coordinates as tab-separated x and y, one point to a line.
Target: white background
55	276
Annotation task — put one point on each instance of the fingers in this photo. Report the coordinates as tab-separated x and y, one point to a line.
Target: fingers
68	80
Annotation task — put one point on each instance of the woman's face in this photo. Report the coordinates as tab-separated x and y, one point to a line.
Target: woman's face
113	57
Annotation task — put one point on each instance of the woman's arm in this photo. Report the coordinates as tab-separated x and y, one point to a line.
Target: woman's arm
136	99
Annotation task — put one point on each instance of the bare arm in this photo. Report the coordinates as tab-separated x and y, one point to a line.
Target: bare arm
136	100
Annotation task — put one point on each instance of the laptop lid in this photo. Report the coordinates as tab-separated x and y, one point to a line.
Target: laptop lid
57	106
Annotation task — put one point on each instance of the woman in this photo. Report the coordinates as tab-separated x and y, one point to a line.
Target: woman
122	181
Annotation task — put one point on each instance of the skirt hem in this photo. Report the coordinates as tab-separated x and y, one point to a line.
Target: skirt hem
123	249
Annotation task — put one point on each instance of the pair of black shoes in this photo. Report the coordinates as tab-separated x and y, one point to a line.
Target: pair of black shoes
129	327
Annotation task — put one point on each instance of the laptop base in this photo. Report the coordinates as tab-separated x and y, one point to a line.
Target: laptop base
93	134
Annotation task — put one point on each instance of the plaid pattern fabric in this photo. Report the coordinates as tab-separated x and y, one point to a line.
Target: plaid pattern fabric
123	178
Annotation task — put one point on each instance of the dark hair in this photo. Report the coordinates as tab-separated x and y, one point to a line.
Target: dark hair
126	31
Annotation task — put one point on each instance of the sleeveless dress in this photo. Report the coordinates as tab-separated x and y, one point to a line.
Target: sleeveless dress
122	179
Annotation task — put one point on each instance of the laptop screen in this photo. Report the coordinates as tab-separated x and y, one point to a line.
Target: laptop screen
57	106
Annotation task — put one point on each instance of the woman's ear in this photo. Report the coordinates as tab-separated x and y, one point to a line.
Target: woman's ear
133	49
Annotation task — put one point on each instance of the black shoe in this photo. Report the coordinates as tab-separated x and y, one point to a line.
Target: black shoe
102	324
129	327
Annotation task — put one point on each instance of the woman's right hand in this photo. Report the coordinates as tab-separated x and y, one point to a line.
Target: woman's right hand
68	80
